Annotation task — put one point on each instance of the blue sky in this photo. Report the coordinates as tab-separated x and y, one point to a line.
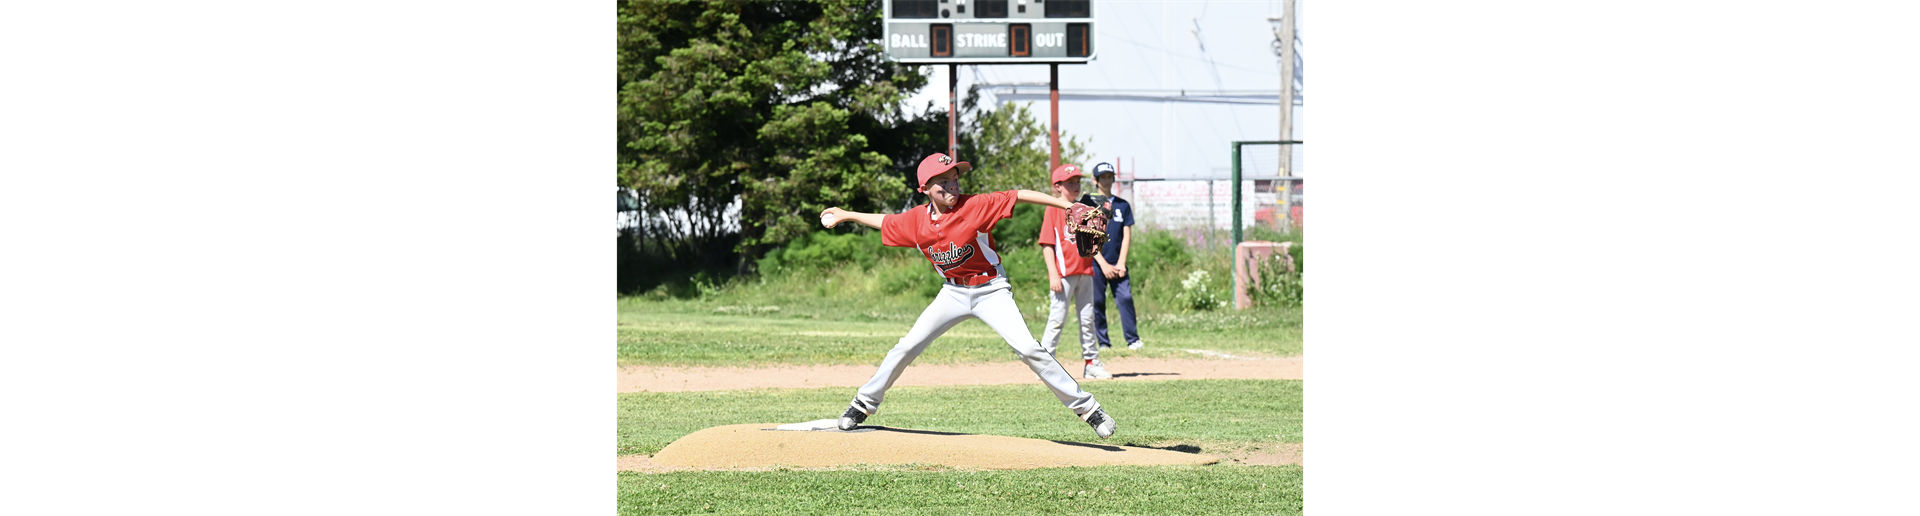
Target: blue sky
1153	45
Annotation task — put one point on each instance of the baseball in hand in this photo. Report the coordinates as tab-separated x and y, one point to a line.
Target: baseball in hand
826	219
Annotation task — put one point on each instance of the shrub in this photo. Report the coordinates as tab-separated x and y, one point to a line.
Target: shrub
822	250
1158	249
1198	293
1277	286
912	277
1299	253
707	285
1022	229
1259	232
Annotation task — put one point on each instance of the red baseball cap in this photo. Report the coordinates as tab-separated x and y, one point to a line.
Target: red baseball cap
1065	172
937	164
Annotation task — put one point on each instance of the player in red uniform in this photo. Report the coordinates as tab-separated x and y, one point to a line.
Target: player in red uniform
954	231
1069	275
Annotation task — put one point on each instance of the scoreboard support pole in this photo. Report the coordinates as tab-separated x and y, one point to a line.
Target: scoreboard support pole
953	114
1053	94
1053	113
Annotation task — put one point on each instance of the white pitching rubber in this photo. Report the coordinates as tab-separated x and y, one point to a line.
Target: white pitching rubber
822	424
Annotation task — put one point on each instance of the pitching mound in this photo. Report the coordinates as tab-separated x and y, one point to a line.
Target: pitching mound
760	446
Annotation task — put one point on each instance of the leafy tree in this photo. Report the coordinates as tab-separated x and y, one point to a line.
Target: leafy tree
1008	147
739	121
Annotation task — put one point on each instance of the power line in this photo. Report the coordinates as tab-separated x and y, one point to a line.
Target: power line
1214	68
1136	123
1183	56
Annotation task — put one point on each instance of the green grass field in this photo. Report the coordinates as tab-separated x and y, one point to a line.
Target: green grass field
712	333
1219	489
1217	417
852	313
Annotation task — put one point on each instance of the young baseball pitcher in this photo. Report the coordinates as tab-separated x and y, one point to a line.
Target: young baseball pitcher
954	231
1069	274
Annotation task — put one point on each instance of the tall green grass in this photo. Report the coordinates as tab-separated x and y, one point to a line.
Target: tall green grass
848	275
844	299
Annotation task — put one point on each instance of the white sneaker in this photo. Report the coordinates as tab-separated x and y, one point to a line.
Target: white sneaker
1136	345
1095	370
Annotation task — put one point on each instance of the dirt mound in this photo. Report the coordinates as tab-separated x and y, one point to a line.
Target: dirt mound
679	379
759	446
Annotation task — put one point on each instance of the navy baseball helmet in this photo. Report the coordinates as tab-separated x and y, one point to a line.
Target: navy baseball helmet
1102	168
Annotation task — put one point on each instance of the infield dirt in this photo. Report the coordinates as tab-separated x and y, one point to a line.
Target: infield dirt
754	446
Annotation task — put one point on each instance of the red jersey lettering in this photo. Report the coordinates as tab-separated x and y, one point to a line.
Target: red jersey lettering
960	244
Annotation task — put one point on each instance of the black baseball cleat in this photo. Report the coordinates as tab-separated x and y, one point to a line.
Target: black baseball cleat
1102	425
852	418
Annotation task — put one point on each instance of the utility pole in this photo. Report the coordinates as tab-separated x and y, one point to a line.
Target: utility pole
1284	36
1283	46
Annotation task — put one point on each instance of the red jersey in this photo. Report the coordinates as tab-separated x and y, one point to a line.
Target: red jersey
1059	242
960	244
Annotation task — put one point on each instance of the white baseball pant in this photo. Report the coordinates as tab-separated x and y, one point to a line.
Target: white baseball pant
1079	291
992	304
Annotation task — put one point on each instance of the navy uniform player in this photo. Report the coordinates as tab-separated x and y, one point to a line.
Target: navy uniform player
1112	261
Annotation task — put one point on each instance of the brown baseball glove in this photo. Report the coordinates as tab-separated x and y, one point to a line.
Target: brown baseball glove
1089	225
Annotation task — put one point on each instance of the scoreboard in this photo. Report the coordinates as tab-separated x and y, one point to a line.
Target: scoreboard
989	31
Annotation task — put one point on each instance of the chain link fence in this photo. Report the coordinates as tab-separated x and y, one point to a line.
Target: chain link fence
1201	207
